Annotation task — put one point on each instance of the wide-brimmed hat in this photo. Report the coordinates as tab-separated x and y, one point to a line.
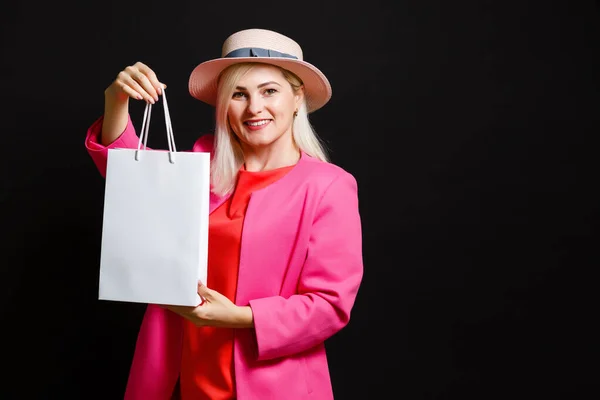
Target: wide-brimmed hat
265	46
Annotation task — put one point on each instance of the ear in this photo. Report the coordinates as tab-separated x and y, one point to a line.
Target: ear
299	97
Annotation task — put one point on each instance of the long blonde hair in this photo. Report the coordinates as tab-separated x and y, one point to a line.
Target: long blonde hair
228	157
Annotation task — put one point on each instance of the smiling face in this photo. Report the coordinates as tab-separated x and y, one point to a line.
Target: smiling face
261	109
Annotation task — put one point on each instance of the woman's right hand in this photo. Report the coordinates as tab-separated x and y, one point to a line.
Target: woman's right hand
137	81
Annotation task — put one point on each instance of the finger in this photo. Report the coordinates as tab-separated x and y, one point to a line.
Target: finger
151	75
201	285
171	308
132	88
130	92
203	291
133	76
181	309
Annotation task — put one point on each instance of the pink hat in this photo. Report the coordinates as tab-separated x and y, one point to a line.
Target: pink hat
260	45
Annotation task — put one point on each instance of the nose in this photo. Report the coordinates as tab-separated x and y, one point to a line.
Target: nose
255	104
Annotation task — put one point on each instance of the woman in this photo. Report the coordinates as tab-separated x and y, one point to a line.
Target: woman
287	281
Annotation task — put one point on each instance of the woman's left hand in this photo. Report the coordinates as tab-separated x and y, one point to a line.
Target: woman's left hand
216	310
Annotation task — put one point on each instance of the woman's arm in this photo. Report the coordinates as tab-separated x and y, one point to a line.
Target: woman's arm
114	129
328	284
137	81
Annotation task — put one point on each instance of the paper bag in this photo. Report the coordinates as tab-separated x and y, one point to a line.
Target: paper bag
155	222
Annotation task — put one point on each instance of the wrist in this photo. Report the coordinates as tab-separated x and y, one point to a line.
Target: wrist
113	98
244	317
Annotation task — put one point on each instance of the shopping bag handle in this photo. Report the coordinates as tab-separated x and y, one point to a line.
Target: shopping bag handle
146	125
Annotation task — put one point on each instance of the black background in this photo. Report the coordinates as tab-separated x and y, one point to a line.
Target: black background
468	125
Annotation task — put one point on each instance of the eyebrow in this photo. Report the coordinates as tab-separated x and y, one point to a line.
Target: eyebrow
259	86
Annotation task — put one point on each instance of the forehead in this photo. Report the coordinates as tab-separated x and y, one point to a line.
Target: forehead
260	73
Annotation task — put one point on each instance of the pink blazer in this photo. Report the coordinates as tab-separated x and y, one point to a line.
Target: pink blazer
300	270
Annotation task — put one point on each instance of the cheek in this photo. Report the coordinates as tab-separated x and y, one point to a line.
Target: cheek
233	121
233	114
285	107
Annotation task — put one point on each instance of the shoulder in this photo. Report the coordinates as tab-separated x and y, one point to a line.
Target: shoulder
204	144
325	174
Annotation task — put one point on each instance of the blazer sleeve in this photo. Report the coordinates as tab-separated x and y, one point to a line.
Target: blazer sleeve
328	284
99	153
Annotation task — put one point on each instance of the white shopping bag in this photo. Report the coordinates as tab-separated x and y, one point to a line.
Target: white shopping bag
155	223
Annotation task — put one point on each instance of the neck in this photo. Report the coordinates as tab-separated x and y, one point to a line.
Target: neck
280	154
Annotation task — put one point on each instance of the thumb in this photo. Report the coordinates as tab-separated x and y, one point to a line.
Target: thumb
202	289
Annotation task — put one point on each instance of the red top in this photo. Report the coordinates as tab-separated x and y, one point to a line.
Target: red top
207	359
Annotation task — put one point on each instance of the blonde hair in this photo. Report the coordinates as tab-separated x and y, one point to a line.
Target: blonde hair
228	157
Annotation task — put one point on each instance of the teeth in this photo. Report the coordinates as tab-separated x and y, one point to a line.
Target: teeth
258	123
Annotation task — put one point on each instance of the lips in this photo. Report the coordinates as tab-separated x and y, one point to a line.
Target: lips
257	122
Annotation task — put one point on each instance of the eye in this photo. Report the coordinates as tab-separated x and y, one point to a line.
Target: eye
270	91
238	95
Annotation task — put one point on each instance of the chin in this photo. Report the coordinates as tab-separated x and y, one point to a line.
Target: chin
260	143
263	139
260	140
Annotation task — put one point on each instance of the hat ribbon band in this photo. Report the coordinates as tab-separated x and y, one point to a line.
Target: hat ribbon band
257	52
